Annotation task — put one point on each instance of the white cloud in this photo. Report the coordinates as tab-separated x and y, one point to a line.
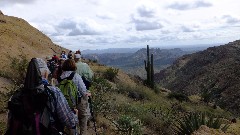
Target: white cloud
230	19
187	6
106	16
108	23
146	24
147	10
6	2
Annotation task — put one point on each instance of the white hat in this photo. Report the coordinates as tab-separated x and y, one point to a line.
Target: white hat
42	65
77	56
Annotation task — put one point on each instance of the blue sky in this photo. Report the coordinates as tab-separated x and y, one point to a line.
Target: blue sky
100	24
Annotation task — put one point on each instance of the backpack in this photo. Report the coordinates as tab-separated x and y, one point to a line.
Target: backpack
87	83
69	90
51	66
30	114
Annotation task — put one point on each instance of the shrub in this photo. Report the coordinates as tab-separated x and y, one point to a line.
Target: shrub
180	97
95	61
111	73
128	126
18	69
134	92
100	90
193	121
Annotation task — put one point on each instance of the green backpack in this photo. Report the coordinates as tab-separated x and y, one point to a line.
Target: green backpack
69	90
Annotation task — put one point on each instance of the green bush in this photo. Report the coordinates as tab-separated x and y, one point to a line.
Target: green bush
180	97
17	70
2	128
128	126
193	121
100	91
111	73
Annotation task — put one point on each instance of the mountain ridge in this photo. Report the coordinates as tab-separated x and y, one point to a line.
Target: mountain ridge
214	70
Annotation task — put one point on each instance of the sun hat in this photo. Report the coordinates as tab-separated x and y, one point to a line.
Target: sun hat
77	56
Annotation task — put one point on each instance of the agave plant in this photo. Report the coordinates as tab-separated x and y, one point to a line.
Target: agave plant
193	121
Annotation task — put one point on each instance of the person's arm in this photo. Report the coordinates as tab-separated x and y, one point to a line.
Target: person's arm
80	84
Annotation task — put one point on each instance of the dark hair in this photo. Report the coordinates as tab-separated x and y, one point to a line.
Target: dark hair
69	65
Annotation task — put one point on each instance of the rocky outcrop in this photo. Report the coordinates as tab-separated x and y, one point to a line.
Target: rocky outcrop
2	20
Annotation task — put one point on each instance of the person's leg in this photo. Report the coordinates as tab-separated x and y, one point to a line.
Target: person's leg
83	115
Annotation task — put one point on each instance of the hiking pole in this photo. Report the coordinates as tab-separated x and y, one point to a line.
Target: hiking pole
53	50
92	113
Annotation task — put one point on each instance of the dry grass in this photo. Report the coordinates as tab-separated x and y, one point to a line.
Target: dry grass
18	37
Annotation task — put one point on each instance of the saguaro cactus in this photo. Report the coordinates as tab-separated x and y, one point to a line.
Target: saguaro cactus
149	69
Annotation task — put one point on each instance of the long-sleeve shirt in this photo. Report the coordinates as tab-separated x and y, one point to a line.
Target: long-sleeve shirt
63	111
77	79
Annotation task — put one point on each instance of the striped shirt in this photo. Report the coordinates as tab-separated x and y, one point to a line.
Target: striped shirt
63	111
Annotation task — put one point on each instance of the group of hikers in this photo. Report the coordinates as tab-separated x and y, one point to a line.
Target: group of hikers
54	98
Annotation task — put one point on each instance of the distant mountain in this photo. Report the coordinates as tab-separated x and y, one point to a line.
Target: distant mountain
133	63
214	70
110	50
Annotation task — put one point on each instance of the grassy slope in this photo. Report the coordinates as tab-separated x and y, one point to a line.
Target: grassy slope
156	110
18	37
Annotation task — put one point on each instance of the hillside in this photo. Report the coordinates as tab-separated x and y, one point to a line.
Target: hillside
214	71
18	37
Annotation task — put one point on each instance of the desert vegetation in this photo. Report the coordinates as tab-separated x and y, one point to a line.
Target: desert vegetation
125	107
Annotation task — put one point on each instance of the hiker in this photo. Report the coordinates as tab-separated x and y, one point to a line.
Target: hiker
83	107
83	69
78	52
63	55
52	63
70	55
57	72
68	68
38	109
44	70
55	58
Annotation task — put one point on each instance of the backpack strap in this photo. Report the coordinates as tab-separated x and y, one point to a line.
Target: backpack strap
70	77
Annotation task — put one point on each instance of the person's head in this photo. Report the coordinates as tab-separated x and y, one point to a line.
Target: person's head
69	65
43	67
33	78
77	57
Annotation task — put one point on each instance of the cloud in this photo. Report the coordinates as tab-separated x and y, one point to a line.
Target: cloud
188	6
107	16
186	29
8	2
75	27
230	20
146	11
67	24
84	28
82	31
140	38
141	25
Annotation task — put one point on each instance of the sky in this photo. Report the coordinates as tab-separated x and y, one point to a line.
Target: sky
101	24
